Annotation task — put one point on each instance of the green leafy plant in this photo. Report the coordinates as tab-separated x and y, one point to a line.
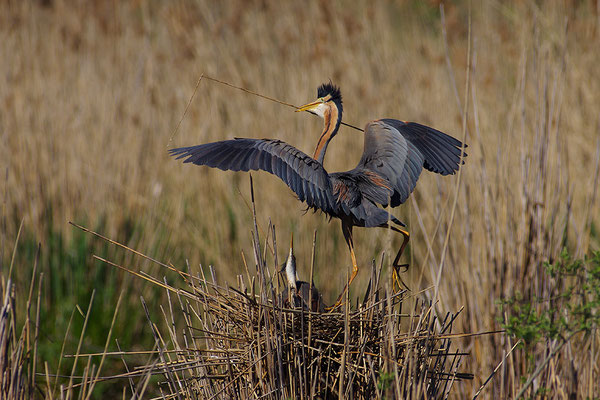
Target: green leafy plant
572	307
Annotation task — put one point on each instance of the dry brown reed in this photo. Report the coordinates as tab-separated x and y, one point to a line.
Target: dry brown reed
245	342
19	339
91	92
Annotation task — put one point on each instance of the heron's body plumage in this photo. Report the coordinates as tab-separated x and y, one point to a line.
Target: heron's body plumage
395	153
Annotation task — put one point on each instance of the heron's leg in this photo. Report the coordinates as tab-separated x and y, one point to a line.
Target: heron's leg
354	263
402	247
396	265
347	230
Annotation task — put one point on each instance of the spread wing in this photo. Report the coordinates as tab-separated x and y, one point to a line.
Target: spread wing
304	175
396	152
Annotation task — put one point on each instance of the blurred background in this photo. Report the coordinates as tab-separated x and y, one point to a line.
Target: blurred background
92	91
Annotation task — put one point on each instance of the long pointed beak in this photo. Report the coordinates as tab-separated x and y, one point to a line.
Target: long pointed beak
292	244
309	106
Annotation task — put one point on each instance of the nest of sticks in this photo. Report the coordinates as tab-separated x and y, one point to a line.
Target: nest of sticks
247	345
249	342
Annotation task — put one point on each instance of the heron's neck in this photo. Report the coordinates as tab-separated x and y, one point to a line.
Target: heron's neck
332	118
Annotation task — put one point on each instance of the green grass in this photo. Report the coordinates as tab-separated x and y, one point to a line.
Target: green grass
70	275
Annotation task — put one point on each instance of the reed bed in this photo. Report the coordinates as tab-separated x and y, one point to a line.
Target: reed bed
92	93
246	342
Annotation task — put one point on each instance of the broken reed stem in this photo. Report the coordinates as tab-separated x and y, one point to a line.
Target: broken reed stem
259	95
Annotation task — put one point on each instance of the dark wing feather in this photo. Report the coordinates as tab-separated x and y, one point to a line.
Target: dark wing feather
304	175
441	151
394	155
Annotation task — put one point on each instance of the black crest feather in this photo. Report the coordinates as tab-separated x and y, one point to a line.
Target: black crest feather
330	88
334	91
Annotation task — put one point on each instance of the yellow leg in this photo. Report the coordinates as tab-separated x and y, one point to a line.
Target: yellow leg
354	263
348	236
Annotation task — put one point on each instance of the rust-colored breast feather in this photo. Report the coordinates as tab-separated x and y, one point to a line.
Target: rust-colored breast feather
341	190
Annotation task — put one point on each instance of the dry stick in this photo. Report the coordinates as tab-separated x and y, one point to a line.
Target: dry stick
47	375
148	374
62	351
131	383
447	56
37	323
88	370
87	314
14	254
268	272
260	264
496	370
428	241
184	275
150	352
8	314
250	209
173	334
134	373
185	111
462	154
120	245
256	240
145	277
167	371
310	287
28	307
274	243
541	367
590	379
4	230
112	324
266	97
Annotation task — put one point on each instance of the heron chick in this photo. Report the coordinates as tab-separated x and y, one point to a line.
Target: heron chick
299	291
290	268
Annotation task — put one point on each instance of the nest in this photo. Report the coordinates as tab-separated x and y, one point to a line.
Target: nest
251	341
249	346
248	342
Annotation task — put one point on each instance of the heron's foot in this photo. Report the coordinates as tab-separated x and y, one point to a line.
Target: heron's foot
337	304
340	299
398	268
396	276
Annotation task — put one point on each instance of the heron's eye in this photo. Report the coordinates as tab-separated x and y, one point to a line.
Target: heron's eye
322	100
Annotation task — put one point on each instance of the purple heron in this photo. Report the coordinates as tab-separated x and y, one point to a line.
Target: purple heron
395	153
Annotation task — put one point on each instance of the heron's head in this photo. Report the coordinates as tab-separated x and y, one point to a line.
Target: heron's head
329	107
329	98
